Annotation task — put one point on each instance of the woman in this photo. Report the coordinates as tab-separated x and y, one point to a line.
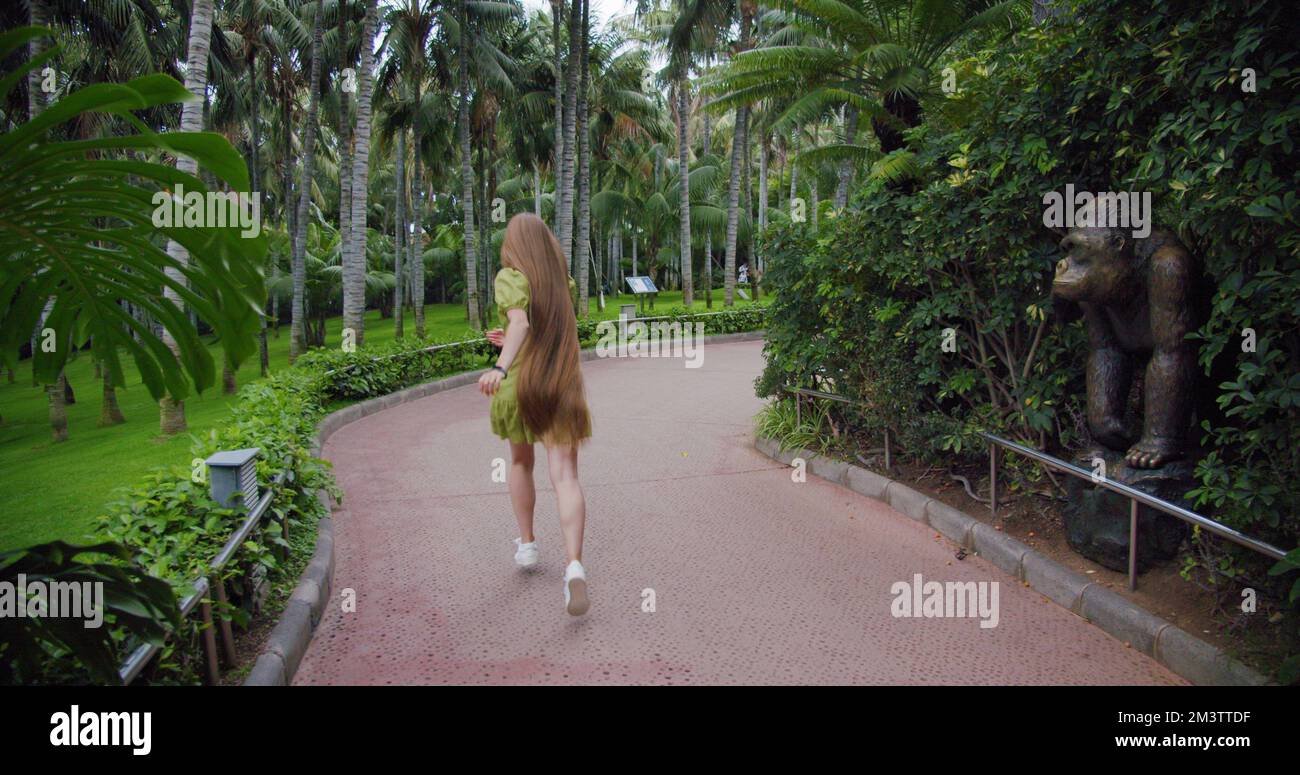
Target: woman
537	392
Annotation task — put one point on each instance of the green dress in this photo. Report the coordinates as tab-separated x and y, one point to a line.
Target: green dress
512	293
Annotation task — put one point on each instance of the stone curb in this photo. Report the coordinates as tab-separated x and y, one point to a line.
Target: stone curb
288	642
1180	652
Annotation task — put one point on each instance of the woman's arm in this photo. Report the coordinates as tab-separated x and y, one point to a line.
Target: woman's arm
515	333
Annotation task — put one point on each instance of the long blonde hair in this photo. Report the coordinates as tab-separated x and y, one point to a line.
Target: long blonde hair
550	392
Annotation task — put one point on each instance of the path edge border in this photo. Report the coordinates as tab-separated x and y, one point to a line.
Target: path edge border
287	644
1170	646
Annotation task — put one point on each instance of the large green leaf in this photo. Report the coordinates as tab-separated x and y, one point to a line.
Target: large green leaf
77	221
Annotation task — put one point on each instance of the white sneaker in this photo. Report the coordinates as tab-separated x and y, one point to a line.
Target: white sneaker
575	589
526	553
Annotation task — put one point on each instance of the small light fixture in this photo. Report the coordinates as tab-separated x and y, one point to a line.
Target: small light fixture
233	471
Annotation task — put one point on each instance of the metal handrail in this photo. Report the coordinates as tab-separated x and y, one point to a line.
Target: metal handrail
840	399
1134	495
144	653
131	668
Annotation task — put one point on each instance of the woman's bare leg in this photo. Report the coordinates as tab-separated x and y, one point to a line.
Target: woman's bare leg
563	464
523	495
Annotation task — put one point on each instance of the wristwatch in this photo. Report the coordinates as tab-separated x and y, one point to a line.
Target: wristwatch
498	368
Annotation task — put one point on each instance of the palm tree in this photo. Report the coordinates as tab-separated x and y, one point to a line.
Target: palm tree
354	257
568	165
467	171
410	26
296	343
344	132
694	30
557	157
584	165
172	407
849	57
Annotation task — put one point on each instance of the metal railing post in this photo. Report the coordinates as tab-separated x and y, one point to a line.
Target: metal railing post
1132	545
993	478
227	635
209	642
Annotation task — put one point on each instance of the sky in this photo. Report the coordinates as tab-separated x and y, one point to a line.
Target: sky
603	10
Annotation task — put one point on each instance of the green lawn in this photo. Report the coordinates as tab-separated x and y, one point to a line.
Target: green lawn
55	491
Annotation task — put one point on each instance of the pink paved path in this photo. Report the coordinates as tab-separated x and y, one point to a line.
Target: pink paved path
757	579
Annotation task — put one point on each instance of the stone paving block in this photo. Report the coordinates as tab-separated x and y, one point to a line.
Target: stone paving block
290	637
827	468
1060	584
864	482
906	500
953	524
1122	619
268	671
309	593
998	548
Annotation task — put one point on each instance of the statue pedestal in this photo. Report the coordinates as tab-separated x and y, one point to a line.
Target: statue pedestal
1097	520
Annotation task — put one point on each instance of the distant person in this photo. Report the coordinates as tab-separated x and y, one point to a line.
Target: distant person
744	274
537	391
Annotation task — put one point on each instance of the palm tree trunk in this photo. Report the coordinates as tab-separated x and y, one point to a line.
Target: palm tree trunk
229	383
683	168
537	191
58	409
812	190
733	208
747	192
414	248
557	154
794	168
255	182
706	276
35	96
584	152
756	270
399	238
565	217
354	259
345	143
296	345
172	410
109	411
58	413
846	166
467	173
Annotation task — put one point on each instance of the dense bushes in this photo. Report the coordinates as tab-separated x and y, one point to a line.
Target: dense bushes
1123	97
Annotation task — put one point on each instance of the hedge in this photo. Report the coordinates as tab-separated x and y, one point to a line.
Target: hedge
1113	96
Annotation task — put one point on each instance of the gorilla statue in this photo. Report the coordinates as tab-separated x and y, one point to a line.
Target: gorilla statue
1137	298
